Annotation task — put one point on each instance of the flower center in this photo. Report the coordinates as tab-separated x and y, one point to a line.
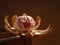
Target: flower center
26	23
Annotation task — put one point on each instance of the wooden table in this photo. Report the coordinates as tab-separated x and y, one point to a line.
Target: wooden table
8	39
14	40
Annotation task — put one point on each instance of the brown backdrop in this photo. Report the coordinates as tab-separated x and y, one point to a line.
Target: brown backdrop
49	11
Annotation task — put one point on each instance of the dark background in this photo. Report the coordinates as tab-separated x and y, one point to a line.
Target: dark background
48	10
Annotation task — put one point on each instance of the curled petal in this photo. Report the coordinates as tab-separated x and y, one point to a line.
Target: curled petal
6	21
24	14
13	19
38	20
9	28
28	35
12	31
40	32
